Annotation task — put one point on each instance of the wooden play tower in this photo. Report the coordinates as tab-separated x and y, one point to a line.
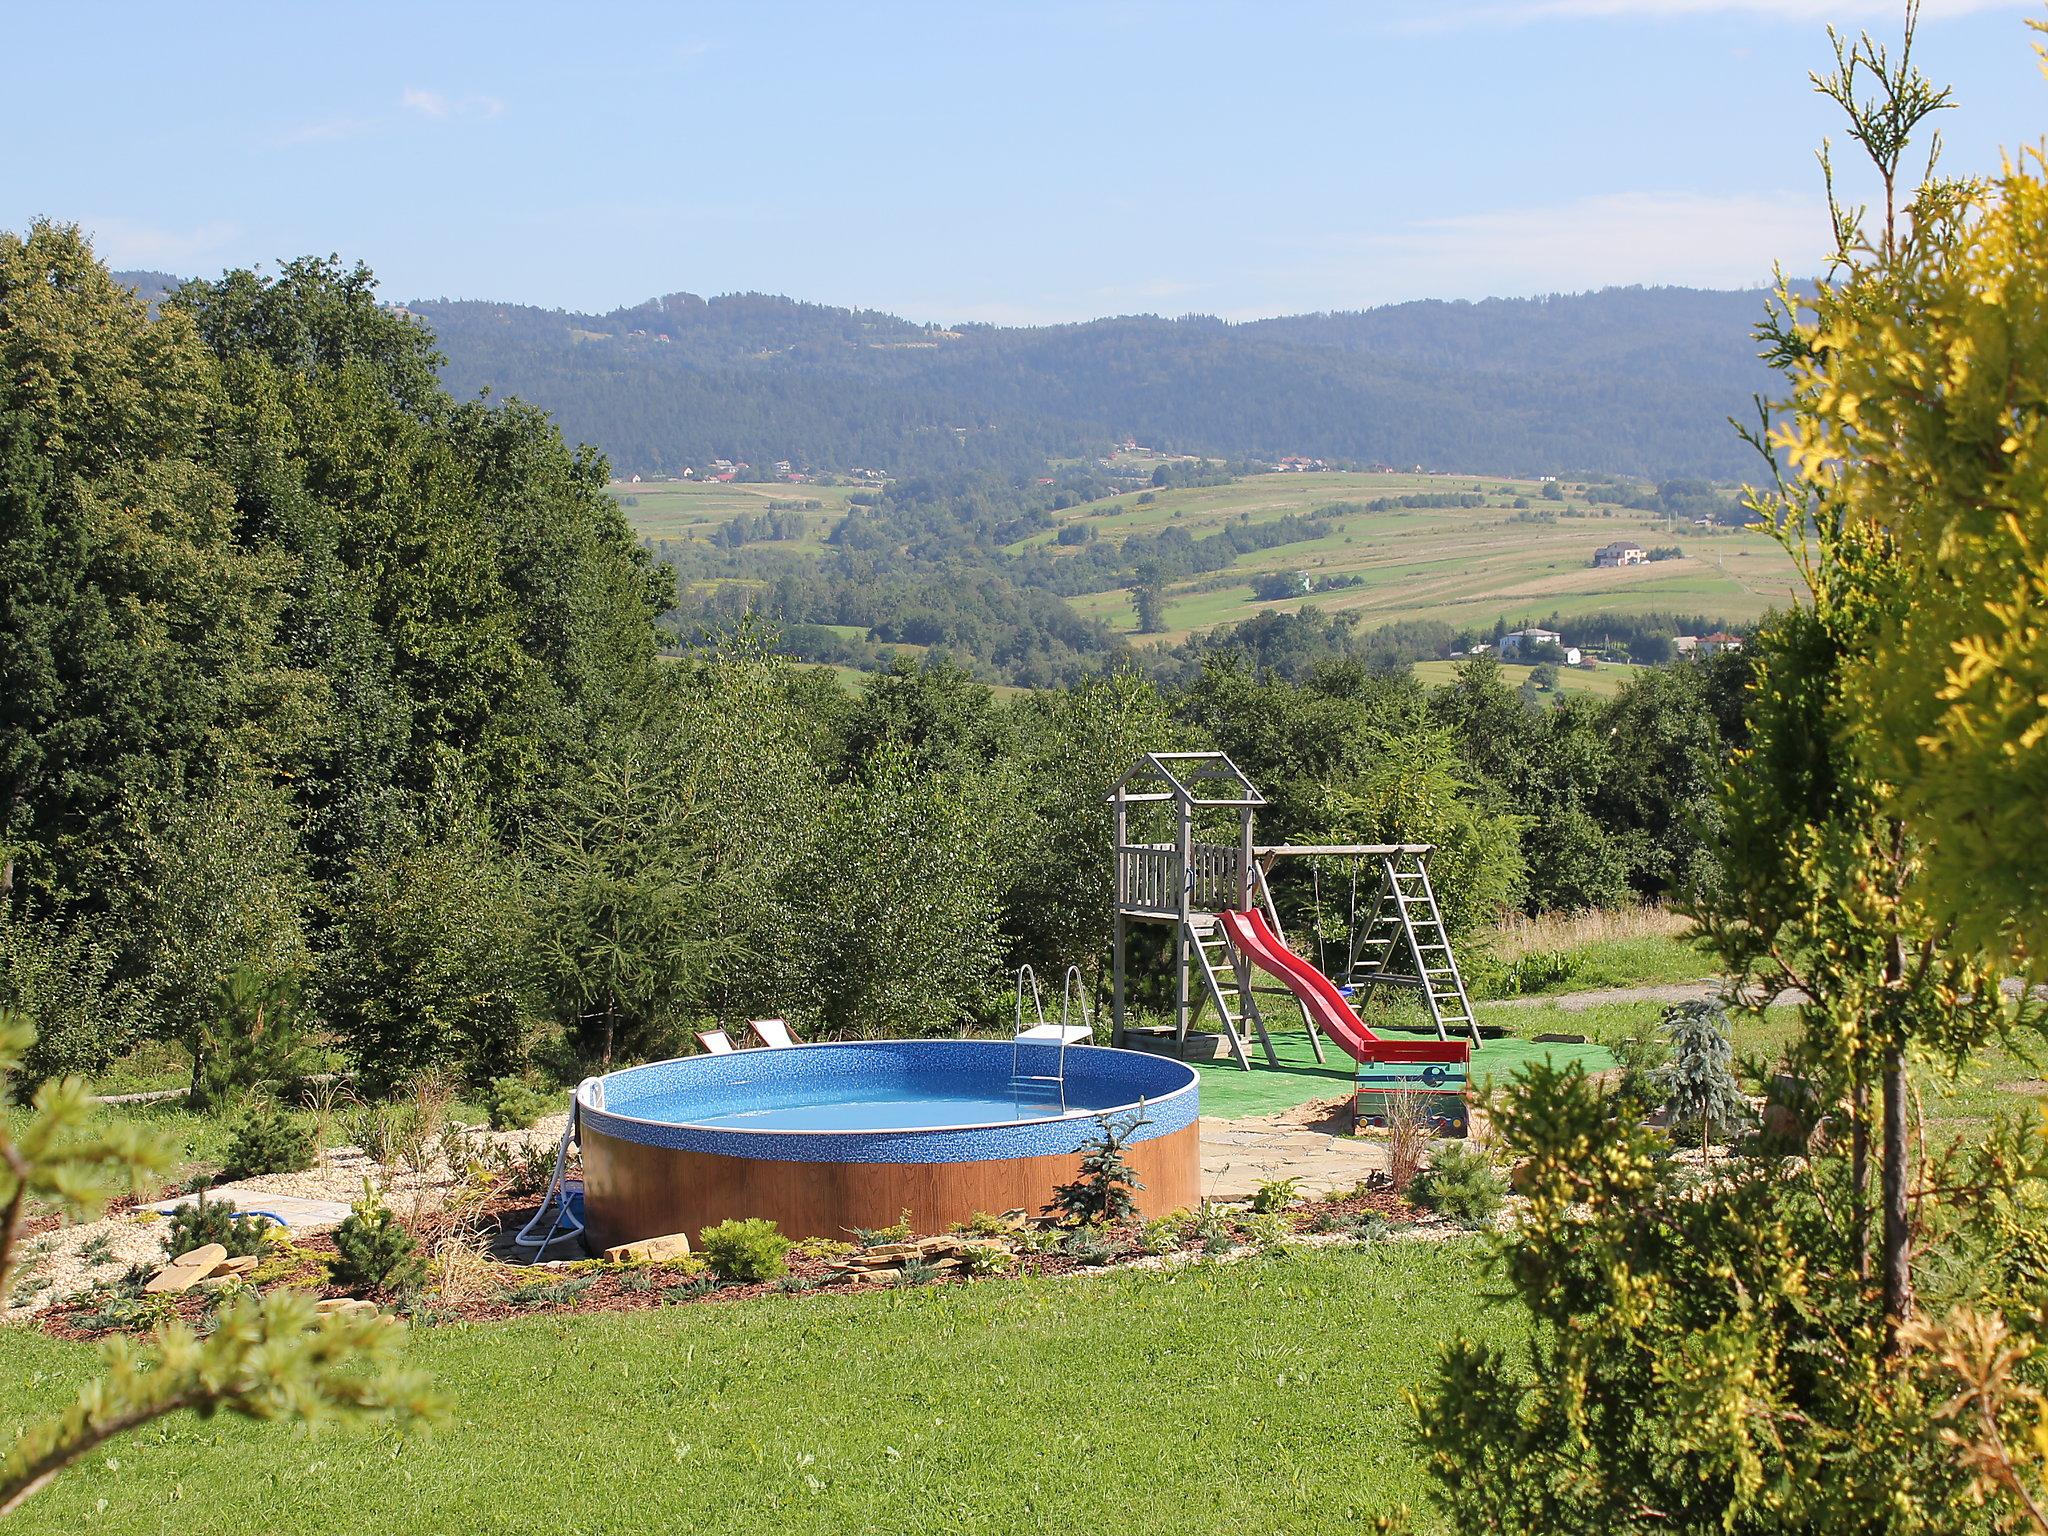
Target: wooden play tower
1210	862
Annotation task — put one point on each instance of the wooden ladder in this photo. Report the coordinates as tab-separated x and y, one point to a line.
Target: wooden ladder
1207	949
1407	917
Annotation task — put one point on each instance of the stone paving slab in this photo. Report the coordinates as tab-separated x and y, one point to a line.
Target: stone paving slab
295	1211
1307	1143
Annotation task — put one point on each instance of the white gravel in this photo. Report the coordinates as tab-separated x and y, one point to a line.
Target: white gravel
54	1267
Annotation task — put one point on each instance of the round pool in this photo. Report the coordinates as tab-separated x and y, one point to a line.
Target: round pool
825	1138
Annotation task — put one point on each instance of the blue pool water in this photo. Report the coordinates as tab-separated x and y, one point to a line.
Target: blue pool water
889	1100
872	1112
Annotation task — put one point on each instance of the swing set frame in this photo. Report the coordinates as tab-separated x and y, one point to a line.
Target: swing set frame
1186	881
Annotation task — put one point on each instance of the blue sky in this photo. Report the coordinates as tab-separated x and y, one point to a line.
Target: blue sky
970	161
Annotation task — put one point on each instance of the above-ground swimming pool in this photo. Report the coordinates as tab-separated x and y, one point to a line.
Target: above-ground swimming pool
825	1138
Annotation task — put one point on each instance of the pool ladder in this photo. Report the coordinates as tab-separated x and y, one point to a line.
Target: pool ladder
1073	1002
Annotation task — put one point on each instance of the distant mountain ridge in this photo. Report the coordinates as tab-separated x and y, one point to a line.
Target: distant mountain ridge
1625	380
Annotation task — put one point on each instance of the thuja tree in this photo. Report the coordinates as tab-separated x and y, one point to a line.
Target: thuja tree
264	1359
1701	1355
1825	890
1742	1352
1916	414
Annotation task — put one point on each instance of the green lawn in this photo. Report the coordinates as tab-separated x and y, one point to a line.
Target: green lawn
1229	1092
1263	1396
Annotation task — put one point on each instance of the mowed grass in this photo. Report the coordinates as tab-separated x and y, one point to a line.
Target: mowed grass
1261	1396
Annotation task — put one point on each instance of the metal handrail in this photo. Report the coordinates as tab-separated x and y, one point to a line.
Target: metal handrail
1059	1076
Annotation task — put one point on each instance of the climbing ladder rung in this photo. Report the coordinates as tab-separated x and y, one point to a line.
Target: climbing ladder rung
1406	910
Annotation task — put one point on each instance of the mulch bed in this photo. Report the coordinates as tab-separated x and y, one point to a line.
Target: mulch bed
590	1286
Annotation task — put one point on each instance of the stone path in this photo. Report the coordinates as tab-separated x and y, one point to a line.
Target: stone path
302	1215
1309	1142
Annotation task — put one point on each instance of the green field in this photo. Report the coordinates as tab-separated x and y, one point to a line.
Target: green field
1604	680
1466	566
690	509
1259	1396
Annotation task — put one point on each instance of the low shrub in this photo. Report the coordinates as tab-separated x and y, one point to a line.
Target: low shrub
126	1312
267	1140
1166	1234
821	1248
1267	1231
795	1285
372	1252
1360	1226
514	1103
869	1237
745	1251
1461	1183
1213	1227
982	1262
982	1224
917	1272
214	1221
1276	1195
1088	1245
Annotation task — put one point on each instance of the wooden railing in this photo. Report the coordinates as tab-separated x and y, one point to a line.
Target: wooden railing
1214	867
1148	880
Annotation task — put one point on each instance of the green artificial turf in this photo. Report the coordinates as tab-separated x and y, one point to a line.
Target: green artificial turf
1262	1396
1231	1093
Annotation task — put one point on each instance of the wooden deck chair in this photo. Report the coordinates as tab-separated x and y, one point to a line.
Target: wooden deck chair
716	1042
773	1033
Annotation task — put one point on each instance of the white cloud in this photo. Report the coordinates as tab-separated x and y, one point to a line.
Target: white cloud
1688	238
414	103
441	106
127	243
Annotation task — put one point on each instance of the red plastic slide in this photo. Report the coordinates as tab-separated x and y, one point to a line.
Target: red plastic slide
1325	1004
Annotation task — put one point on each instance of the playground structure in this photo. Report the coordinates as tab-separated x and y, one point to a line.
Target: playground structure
1218	899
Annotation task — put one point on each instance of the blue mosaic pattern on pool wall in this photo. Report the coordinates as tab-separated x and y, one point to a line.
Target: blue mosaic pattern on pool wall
1099	1080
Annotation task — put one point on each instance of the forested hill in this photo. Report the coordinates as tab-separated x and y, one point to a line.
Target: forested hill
1628	380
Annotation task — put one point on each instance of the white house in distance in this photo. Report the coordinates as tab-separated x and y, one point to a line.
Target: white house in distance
1621	553
1516	641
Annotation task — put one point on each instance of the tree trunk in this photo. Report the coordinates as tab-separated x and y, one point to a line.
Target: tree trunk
14	800
1859	1178
1898	1245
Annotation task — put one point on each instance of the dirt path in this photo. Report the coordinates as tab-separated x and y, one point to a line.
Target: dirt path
1579	1002
1671	992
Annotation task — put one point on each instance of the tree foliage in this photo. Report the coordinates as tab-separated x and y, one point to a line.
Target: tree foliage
264	1359
1912	390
